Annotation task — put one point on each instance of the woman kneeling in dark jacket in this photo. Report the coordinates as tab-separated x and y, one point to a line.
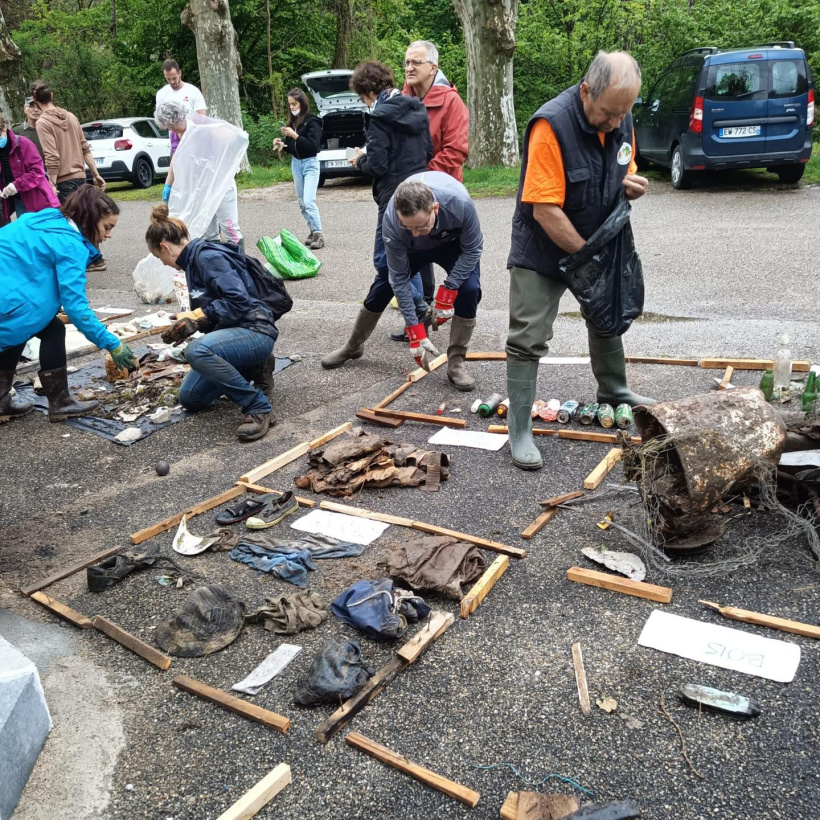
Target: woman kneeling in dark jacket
239	328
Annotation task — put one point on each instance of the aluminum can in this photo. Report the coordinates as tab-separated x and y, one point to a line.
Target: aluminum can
566	411
623	416
606	415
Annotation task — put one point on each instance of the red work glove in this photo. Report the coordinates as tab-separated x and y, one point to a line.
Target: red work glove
443	309
420	346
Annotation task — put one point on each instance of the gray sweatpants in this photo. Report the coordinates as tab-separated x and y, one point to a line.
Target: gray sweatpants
225	224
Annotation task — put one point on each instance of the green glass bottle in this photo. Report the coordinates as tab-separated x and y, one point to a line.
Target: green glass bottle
809	395
767	385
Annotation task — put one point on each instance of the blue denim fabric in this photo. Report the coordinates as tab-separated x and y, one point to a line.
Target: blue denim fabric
306	180
216	360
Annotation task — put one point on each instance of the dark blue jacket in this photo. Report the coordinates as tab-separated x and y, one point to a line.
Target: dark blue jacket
221	286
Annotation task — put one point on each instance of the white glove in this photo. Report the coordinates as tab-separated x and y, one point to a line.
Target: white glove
424	353
9	190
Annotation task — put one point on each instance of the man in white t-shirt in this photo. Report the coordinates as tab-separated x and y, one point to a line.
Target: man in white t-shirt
178	91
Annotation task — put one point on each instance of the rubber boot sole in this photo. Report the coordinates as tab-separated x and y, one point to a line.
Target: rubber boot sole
461	387
528	467
262	524
341	364
57	417
12	416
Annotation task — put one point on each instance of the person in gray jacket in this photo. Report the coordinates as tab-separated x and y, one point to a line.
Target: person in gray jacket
430	219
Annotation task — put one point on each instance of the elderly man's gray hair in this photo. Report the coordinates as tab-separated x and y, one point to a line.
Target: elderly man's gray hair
612	69
171	113
431	52
413	196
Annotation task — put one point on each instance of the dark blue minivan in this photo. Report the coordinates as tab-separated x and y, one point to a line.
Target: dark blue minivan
715	109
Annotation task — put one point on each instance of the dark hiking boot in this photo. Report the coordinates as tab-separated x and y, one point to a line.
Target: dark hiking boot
255	426
10	407
354	347
61	404
310	238
318	241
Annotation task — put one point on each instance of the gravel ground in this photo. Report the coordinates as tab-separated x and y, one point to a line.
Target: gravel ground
498	687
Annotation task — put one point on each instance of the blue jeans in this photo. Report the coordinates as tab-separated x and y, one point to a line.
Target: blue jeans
306	180
216	360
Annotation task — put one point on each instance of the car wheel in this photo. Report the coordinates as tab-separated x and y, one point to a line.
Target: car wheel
322	181
681	178
143	173
790	173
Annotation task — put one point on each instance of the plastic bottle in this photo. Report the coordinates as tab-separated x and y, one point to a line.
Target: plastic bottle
767	385
782	371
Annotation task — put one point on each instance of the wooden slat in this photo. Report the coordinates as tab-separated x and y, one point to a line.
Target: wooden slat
760	619
536	431
131	642
260	795
426	776
727	378
424	418
274	464
61	610
639	589
172	520
394	395
495	546
366	414
358	512
69	570
436	624
320	441
561	499
478	592
661	360
420	372
539	523
251	711
604	438
581	678
604	468
485	356
749	364
259	489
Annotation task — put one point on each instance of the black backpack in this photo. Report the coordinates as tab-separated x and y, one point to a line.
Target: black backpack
270	289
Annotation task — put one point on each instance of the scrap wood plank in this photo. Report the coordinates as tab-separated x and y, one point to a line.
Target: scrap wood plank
366	414
358	512
470	602
274	464
233	704
581	679
540	522
437	623
353	705
426	776
759	619
604	468
661	360
261	490
420	372
424	418
749	364
131	642
484	356
561	499
320	441
61	610
172	520
485	543
69	570
260	795
604	438
727	378
536	431
560	805
394	395
640	589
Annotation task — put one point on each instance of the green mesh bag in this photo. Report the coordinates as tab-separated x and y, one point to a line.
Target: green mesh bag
288	256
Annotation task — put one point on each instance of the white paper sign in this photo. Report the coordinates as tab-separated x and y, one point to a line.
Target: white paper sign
467	438
721	646
340	526
801	458
268	669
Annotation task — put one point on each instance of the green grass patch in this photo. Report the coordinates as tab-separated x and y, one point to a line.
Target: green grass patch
493	180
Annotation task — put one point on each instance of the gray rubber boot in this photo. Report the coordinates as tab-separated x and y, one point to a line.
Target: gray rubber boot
609	368
522	382
354	347
461	331
61	404
10	406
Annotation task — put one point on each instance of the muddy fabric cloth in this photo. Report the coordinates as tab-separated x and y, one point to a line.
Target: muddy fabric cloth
438	563
289	614
209	620
289	565
336	672
319	546
359	460
378	610
224	539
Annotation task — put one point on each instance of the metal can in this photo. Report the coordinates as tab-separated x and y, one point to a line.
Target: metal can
549	412
488	407
623	416
606	415
503	408
588	413
566	411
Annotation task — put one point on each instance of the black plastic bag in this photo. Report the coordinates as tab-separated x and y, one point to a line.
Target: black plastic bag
606	276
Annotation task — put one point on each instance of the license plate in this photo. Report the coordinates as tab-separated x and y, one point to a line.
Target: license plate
337	163
99	160
741	131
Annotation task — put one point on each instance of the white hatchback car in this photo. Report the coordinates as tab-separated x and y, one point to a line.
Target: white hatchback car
131	149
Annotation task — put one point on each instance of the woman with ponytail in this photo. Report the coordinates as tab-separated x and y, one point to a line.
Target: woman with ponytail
45	256
239	327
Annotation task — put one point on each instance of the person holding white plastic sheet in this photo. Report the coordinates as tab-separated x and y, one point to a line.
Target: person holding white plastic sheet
201	185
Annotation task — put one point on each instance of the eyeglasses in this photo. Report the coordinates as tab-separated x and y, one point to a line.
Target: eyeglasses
416	63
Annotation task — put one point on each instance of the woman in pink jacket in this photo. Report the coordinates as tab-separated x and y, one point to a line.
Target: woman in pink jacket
24	186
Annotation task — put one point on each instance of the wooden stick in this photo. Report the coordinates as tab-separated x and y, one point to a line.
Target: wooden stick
69	570
661	360
394	395
261	490
484	356
604	580
539	523
429	778
727	378
366	414
437	623
536	431
233	704
484	543
360	513
581	679
444	421
749	364
561	499
560	805
603	469
172	520
470	602
260	795
759	619
420	372
131	642
61	610
320	441
274	464
604	438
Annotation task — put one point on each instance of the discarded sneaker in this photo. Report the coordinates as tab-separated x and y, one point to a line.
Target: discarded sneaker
244	508
255	426
111	571
274	511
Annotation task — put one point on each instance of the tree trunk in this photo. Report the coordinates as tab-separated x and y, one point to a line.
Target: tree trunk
12	84
489	35
344	31
218	59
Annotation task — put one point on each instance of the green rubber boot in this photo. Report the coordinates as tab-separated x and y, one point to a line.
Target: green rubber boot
522	378
609	368
353	348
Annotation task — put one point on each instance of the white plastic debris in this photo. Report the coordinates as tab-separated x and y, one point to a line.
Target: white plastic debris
129	434
627	563
160	415
186	544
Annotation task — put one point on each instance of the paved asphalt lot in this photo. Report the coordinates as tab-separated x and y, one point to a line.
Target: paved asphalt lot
727	269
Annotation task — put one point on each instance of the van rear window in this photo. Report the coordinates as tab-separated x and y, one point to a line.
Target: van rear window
788	78
739	81
102	132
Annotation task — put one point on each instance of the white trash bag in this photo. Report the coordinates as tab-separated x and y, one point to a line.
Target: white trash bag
153	281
